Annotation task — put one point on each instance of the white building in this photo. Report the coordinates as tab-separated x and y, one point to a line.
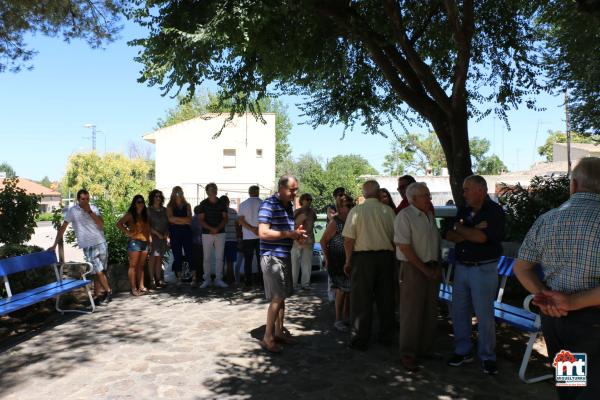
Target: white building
189	155
578	151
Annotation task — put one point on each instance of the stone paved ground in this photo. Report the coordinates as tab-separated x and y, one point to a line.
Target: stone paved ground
202	345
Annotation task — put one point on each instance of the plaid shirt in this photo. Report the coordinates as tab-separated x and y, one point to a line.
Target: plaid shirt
566	241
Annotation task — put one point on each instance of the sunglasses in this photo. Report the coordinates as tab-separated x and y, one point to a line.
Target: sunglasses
139	202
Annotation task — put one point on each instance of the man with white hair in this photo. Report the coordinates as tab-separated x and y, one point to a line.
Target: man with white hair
368	244
478	233
417	248
566	242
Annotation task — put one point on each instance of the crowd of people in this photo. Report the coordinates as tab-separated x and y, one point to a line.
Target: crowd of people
377	252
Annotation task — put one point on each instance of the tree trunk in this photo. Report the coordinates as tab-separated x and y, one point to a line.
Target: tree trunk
454	138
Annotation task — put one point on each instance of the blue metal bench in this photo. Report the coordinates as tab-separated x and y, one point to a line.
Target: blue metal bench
521	318
14	302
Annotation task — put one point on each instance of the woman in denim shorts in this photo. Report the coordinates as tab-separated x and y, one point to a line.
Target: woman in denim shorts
134	224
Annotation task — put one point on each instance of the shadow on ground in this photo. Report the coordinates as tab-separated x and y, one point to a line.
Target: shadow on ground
320	366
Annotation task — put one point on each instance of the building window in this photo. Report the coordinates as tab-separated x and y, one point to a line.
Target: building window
258	153
228	158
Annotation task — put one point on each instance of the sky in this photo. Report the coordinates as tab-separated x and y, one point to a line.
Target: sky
43	112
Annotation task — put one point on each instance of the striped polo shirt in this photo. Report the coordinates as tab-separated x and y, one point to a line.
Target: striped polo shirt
281	218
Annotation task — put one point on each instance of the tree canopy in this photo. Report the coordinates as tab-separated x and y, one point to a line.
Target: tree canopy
96	22
573	58
367	63
320	178
8	169
46	182
209	103
414	153
112	176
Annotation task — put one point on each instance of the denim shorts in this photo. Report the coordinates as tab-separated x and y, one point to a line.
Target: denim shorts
137	245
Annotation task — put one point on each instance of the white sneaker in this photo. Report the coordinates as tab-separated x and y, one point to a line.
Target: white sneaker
220	283
205	284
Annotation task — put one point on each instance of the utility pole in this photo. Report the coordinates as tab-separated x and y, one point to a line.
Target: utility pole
93	135
568	128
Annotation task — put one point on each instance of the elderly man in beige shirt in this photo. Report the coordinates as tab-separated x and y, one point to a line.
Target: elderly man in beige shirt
368	244
418	247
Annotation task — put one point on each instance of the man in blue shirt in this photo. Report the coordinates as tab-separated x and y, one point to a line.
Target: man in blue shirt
478	233
277	233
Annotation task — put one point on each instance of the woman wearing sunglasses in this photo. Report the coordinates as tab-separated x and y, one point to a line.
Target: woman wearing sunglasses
134	225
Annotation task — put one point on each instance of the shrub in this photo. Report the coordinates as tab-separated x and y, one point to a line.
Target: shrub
47	216
18	211
524	205
117	242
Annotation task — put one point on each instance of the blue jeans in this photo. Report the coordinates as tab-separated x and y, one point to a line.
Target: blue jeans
475	290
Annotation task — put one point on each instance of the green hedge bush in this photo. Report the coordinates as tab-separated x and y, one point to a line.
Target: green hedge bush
524	205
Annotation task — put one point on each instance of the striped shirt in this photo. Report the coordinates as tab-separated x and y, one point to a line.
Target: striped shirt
566	241
280	217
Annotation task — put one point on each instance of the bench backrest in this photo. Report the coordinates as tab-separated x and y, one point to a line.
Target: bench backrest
27	262
505	266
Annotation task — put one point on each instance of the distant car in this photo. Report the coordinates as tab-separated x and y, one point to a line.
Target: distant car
445	211
444	217
317	257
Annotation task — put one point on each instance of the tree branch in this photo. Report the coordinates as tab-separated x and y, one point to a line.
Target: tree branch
463	33
421	68
417	100
433	9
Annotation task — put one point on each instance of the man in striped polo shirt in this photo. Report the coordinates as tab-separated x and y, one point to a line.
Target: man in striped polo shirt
277	233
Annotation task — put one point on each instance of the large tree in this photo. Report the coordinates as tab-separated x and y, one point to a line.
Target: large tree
414	153
188	108
96	22
320	178
8	170
112	176
368	62
573	58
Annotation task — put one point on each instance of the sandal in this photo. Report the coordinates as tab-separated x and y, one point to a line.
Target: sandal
143	290
135	293
271	348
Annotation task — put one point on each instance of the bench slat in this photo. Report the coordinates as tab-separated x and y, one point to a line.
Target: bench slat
518	311
505	266
36	296
516	316
34	291
445	293
13	265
